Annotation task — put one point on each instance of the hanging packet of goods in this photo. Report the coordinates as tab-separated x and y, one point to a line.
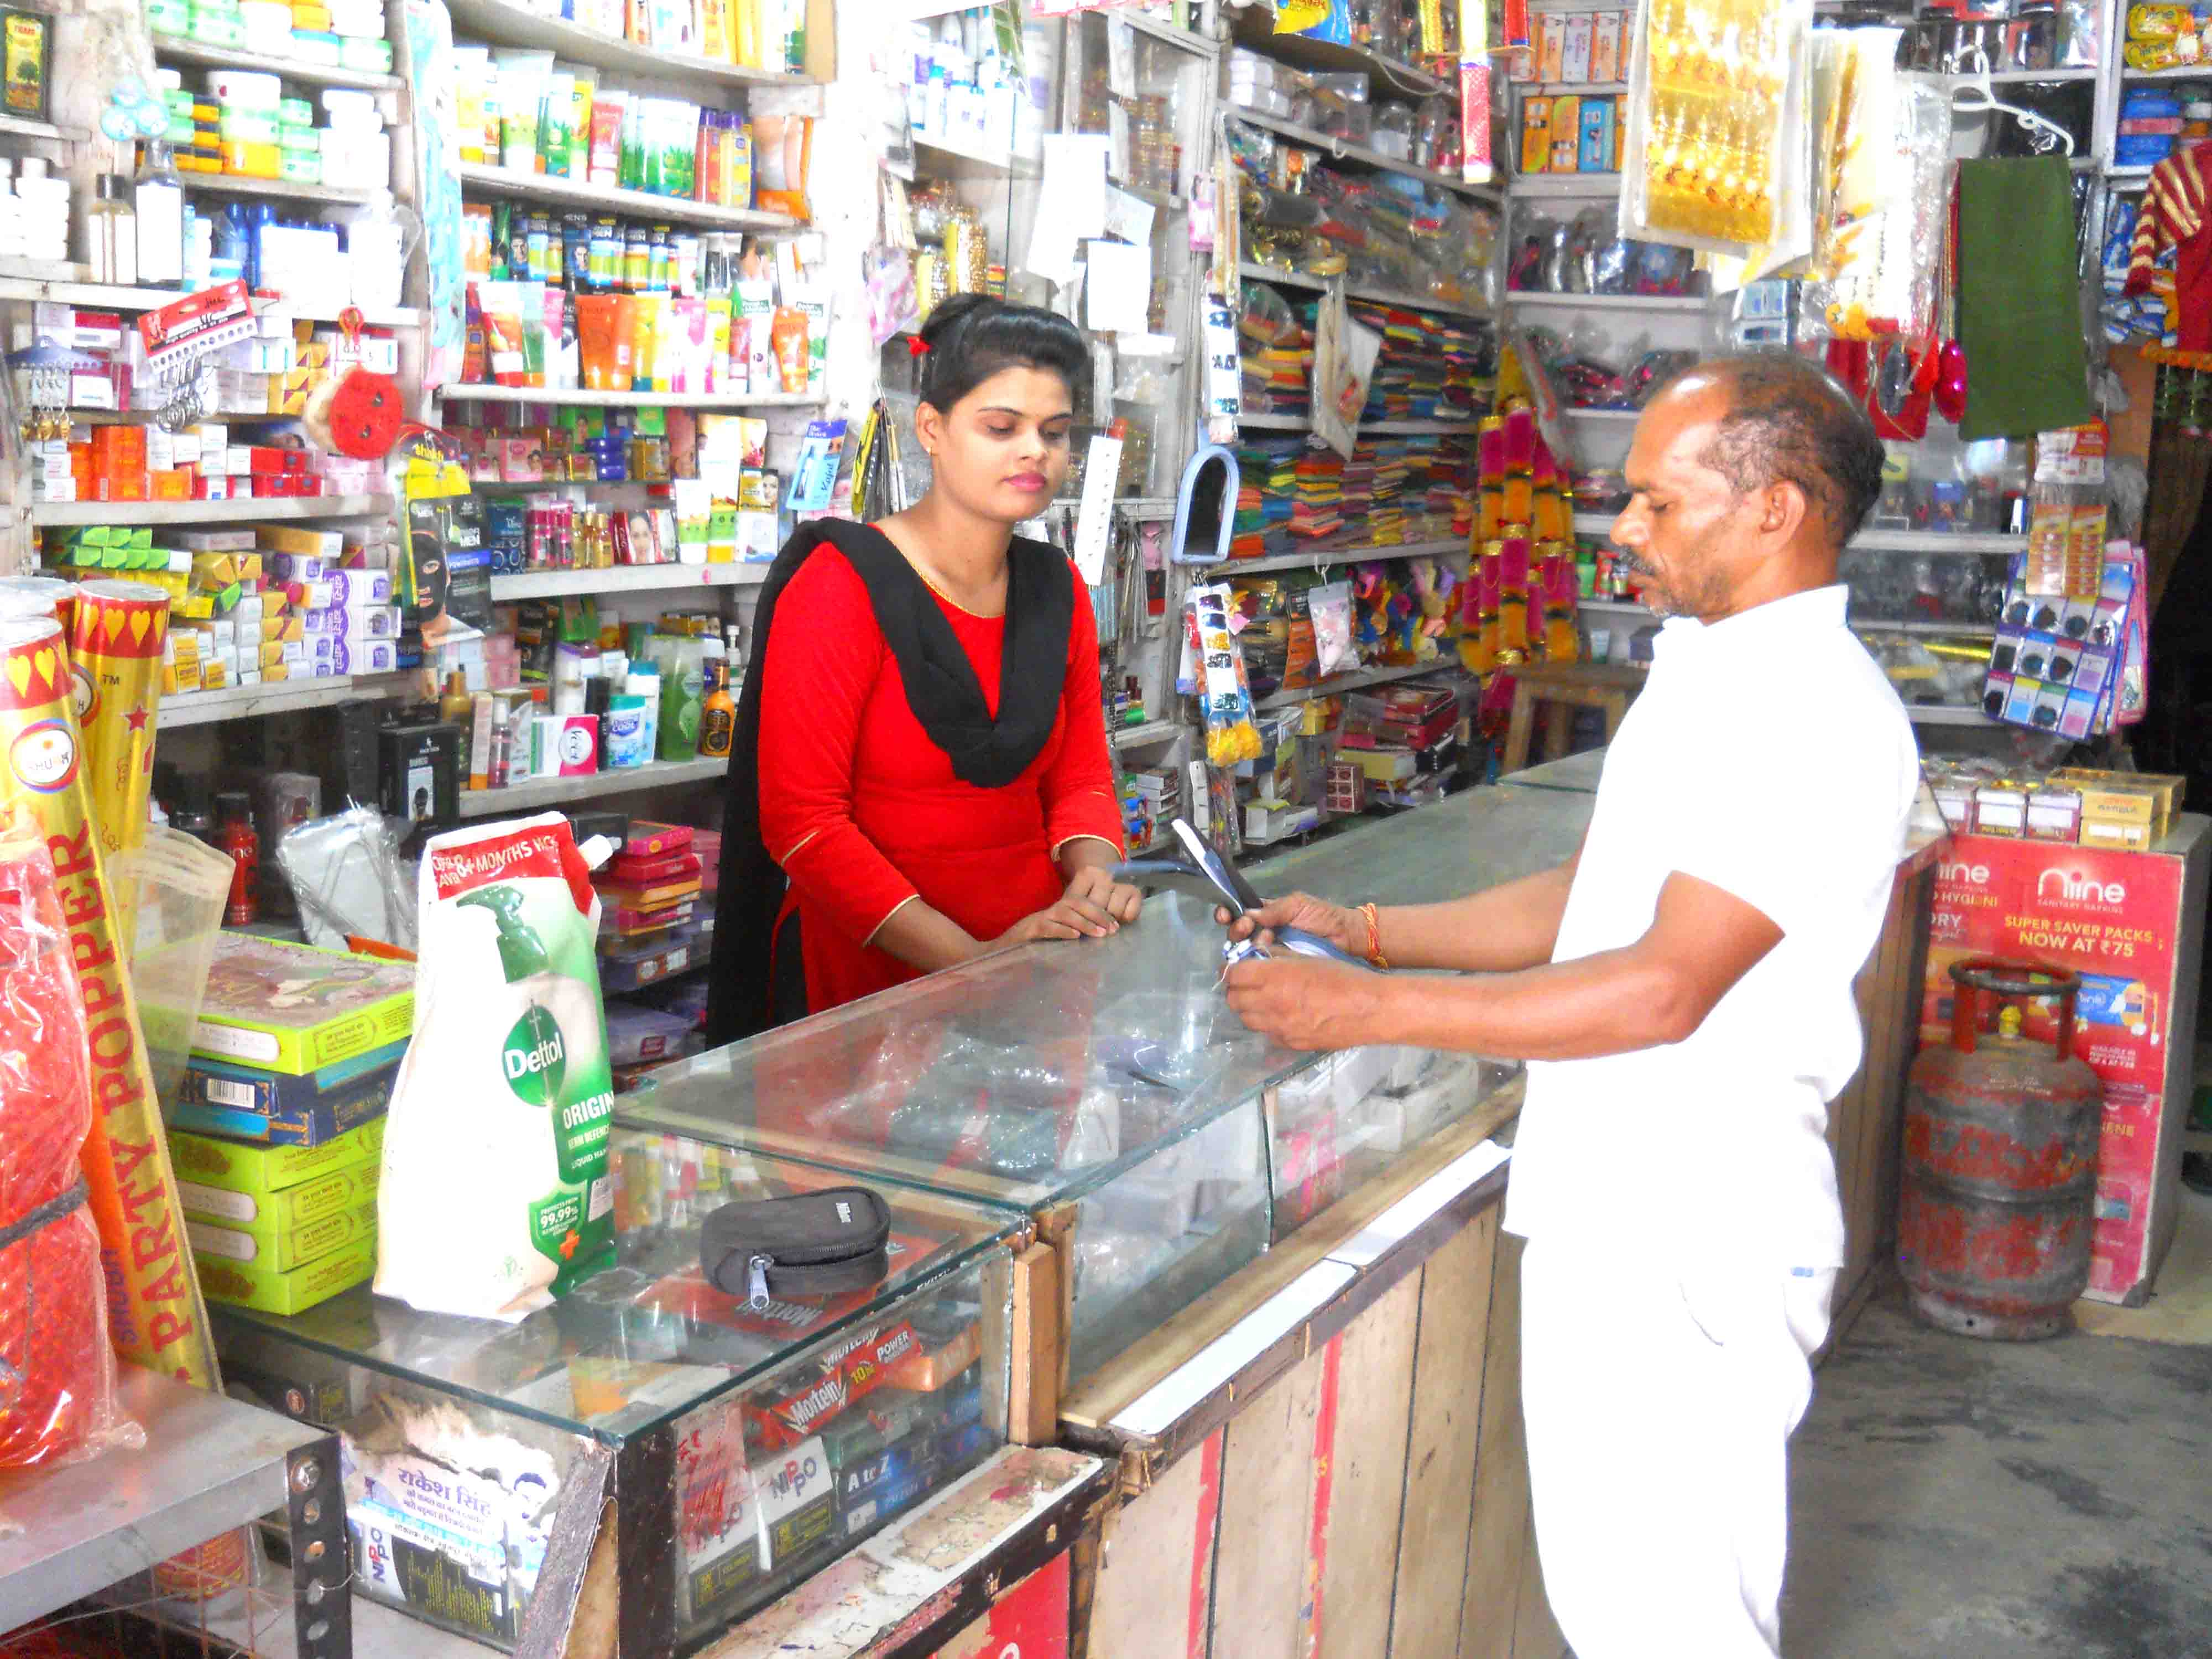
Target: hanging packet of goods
495	1196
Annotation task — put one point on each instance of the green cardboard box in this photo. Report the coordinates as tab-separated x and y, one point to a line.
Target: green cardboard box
253	1285
238	1166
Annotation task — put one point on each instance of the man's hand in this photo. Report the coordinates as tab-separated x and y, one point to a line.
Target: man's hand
1344	929
1305	1003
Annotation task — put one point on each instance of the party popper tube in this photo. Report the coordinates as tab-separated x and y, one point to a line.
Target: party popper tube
153	1308
115	652
38	596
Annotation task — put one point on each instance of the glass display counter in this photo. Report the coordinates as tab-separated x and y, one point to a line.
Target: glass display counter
1577	772
1107	1089
749	1442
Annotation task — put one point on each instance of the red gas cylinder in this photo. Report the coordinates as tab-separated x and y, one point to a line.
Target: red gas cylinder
1994	1223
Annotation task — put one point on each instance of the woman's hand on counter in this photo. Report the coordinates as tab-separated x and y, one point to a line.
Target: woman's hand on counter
1344	929
1303	1002
1094	887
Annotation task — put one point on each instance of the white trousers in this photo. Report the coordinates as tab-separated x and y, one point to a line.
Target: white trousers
1659	1404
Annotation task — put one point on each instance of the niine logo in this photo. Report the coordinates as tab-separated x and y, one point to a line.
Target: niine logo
2072	884
1978	874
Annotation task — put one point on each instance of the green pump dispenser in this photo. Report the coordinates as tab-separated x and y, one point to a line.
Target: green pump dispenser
521	952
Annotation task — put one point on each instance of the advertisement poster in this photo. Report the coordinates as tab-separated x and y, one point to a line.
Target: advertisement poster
2113	918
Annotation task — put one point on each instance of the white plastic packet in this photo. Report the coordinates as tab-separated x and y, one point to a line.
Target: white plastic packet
495	1196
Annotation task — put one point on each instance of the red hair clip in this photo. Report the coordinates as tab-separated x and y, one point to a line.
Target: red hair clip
916	346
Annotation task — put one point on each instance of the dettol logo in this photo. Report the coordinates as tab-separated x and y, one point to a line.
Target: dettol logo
534	1057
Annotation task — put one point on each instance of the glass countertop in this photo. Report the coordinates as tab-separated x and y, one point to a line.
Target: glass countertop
648	1339
1479	838
1037	1076
1029	1078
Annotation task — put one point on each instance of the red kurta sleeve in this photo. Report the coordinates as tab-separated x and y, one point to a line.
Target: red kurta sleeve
824	654
1078	786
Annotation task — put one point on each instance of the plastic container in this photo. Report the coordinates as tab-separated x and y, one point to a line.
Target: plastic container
177	887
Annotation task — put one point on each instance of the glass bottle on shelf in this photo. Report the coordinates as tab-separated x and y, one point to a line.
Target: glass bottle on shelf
112	232
159	203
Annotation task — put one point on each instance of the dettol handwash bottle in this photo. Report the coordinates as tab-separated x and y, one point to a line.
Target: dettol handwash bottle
496	1196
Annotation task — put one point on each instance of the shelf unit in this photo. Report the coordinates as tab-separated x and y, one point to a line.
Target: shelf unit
1536	187
1881	541
520	798
178	49
1146	735
1536	299
1385	296
237	184
1939	630
107	296
1318	558
1303	52
604	198
1617	608
585	398
239	702
1926	714
1358	680
998	161
245	508
210	1464
625	578
519	26
1343	149
1576	412
15	126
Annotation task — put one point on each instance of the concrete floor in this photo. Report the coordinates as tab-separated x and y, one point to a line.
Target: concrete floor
1953	1500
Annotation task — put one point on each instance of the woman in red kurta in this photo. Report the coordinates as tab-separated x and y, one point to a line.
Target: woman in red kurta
928	759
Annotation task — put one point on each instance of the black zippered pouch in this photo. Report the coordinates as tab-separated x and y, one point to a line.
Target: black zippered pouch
809	1244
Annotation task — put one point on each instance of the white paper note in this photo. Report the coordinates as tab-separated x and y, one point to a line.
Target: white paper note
1129	217
1071	202
1119	289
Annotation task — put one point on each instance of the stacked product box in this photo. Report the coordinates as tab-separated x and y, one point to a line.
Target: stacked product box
269	372
648	901
333	34
277	1227
292	1064
252	604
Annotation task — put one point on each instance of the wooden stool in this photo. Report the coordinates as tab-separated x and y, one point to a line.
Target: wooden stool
1563	688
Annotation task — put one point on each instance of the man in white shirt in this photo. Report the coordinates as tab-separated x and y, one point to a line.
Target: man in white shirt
1682	990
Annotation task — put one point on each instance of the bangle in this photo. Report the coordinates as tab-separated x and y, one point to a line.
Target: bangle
1374	936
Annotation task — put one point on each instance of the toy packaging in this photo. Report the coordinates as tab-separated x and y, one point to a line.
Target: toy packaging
495	1196
296	1009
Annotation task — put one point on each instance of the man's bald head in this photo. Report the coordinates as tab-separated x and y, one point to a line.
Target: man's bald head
1787	421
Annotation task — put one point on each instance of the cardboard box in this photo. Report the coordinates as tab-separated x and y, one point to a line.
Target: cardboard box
282	1249
249	1104
263	1170
268	1213
1535	135
253	1285
338	1006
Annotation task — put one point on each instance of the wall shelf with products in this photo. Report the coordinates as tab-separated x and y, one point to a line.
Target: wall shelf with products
280	190
1339	150
241	510
606	198
520	798
180	50
1358	680
1322	557
585	398
1384	296
1984	543
279	697
1539	186
625	578
521	26
1538	298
